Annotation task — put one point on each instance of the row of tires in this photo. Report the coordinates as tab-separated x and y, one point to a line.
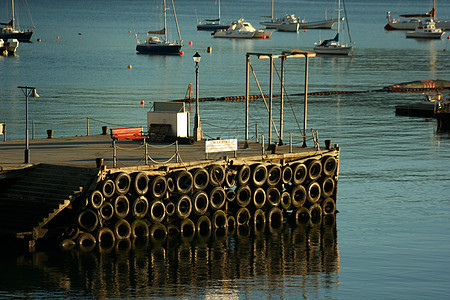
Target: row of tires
199	179
202	227
103	210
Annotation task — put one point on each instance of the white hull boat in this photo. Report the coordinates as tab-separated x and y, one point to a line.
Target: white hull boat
426	30
11	46
333	46
241	29
324	24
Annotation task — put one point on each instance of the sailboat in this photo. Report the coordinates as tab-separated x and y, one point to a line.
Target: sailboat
414	20
333	46
286	23
158	44
212	24
9	30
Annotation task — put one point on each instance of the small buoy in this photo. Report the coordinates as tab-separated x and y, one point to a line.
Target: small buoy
130	66
448	38
38	40
190	43
304	30
57	37
142	102
79	33
181	52
129	31
263	37
209	49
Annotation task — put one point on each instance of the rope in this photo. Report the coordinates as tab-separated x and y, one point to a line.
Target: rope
163	162
60	122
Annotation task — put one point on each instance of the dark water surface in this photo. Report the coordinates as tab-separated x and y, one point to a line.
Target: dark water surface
392	235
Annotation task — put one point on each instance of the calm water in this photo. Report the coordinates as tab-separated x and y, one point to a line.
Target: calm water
392	235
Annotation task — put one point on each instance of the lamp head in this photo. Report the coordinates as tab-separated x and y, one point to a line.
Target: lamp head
197	57
34	94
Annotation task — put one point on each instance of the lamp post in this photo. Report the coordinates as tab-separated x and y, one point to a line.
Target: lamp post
198	133
28	91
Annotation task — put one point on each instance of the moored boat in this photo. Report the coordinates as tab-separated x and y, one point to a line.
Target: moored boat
158	44
243	30
212	24
10	31
426	30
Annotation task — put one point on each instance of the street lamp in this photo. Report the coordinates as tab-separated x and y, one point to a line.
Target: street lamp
28	91
198	133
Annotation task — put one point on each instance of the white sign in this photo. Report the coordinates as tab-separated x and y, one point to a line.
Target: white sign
221	145
1	128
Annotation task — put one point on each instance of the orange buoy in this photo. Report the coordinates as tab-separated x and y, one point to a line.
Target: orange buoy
57	37
129	31
263	37
142	102
130	66
304	30
190	43
181	52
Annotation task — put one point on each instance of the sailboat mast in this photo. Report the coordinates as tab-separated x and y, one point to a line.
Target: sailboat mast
219	10
165	21
339	16
271	16
176	22
13	18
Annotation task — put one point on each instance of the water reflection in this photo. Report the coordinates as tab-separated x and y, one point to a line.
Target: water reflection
289	259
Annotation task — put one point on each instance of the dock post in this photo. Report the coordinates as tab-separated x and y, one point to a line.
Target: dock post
176	152
282	102
114	154
146	152
247	78
305	112
87	129
290	142
262	144
270	101
33	127
256	132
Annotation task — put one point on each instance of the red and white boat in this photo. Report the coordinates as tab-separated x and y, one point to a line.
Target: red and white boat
412	20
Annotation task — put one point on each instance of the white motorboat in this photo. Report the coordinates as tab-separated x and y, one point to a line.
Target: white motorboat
333	46
426	30
290	24
241	29
11	46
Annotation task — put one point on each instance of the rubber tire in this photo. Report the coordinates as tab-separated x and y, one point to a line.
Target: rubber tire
302	215
298	196
140	207
184	207
259	175
243	217
158	187
216	175
299	173
200	203
86	242
219	219
313	192
328	185
122	181
184	182
140	183
217	198
274	175
243	196
273	196
286	201
286	174
275	217
157	211
108	188
200	179
316	213
120	202
187	230
96	199
106	211
119	226
259	221
88	220
328	206
203	223
314	169
139	224
329	165
244	175
259	198
158	232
